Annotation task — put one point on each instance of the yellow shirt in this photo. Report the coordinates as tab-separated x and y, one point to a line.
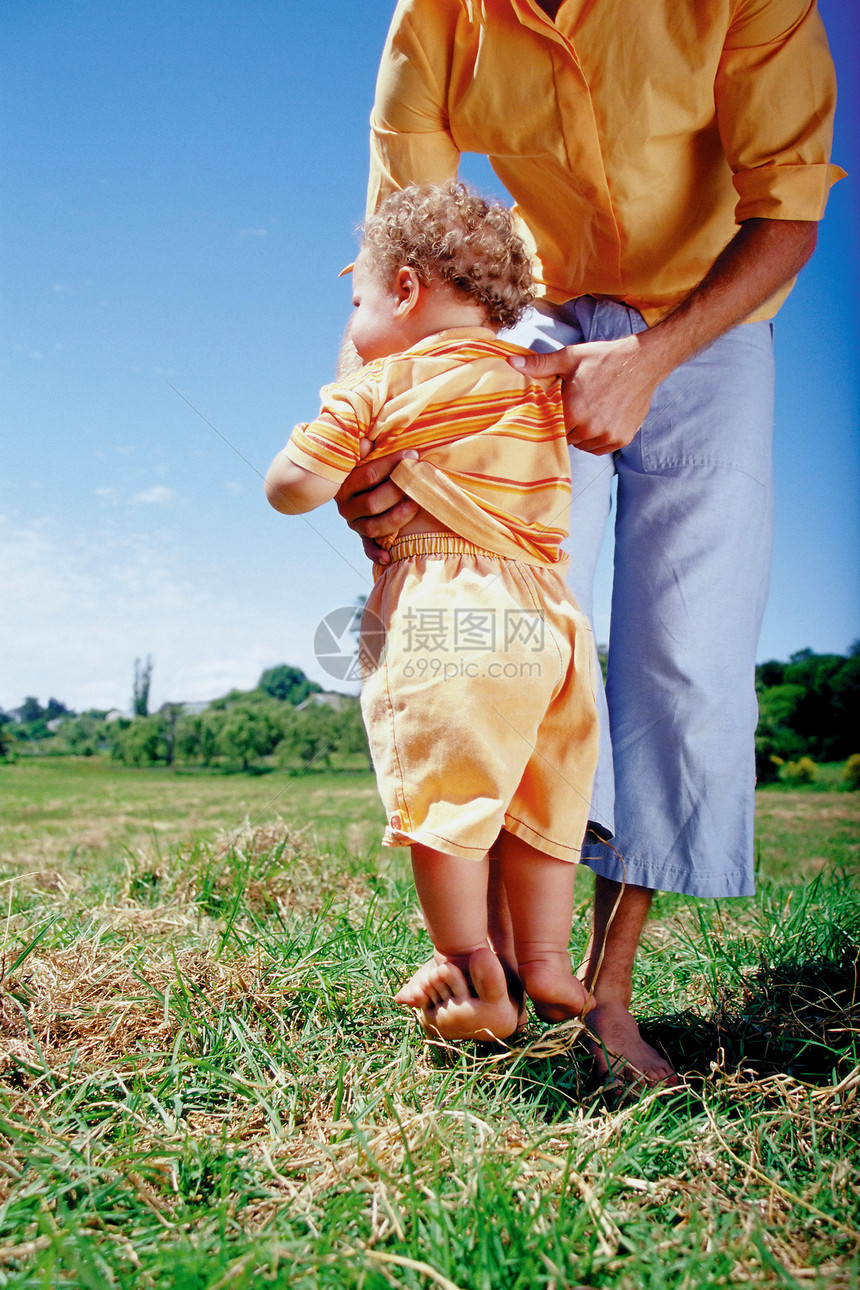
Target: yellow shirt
494	464
633	135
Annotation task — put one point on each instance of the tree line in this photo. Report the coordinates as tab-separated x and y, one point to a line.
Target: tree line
809	713
287	721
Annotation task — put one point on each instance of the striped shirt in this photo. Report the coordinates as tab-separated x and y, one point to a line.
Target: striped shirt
493	464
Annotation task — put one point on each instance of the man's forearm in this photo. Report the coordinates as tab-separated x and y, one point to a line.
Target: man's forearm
763	255
608	385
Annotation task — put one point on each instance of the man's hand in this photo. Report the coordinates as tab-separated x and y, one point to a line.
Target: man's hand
607	387
372	505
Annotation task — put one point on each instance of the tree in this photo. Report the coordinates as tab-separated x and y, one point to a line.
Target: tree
311	736
140	693
309	739
350	736
776	739
32	725
810	705
141	742
197	736
779	705
56	709
30	710
86	734
170	714
289	684
248	733
845	709
770	673
828	715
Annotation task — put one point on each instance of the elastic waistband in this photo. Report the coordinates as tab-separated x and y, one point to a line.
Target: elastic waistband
406	548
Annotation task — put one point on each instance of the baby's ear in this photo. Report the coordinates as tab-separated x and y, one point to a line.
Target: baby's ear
407	287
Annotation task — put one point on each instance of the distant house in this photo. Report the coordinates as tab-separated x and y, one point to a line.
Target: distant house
327	698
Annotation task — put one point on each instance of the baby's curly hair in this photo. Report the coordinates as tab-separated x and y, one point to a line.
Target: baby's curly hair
447	233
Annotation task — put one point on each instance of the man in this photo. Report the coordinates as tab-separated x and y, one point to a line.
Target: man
669	163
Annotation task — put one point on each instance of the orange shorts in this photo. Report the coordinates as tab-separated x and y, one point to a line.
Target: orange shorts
478	697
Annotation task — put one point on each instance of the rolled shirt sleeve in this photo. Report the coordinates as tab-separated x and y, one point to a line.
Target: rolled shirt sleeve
410	139
633	139
775	96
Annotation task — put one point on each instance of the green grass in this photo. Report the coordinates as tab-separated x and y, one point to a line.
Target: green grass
88	813
204	1081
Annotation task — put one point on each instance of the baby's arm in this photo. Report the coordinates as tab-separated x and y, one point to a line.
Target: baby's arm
319	455
292	490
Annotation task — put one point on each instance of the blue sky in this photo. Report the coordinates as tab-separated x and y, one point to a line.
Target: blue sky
181	187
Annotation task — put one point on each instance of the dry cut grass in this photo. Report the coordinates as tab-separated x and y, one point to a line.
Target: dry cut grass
204	1083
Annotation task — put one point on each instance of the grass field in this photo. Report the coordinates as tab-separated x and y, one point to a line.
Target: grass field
204	1082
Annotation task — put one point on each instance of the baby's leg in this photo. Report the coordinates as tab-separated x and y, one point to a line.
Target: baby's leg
438	980
463	993
540	894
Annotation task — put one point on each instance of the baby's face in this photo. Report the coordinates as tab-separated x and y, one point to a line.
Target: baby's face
375	330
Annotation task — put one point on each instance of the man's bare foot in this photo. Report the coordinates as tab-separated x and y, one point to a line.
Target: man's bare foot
450	1009
621	1053
556	994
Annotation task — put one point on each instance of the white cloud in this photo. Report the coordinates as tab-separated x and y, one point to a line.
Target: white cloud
245	233
79	605
155	496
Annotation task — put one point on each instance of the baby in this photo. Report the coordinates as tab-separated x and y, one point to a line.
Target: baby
478	694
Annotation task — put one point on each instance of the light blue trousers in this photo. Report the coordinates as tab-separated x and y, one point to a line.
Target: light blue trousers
693	526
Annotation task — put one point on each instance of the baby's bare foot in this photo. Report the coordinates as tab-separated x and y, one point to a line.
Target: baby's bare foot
435	982
621	1053
556	994
451	1010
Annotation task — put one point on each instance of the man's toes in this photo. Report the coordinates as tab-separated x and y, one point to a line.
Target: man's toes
634	1064
622	1054
662	1072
